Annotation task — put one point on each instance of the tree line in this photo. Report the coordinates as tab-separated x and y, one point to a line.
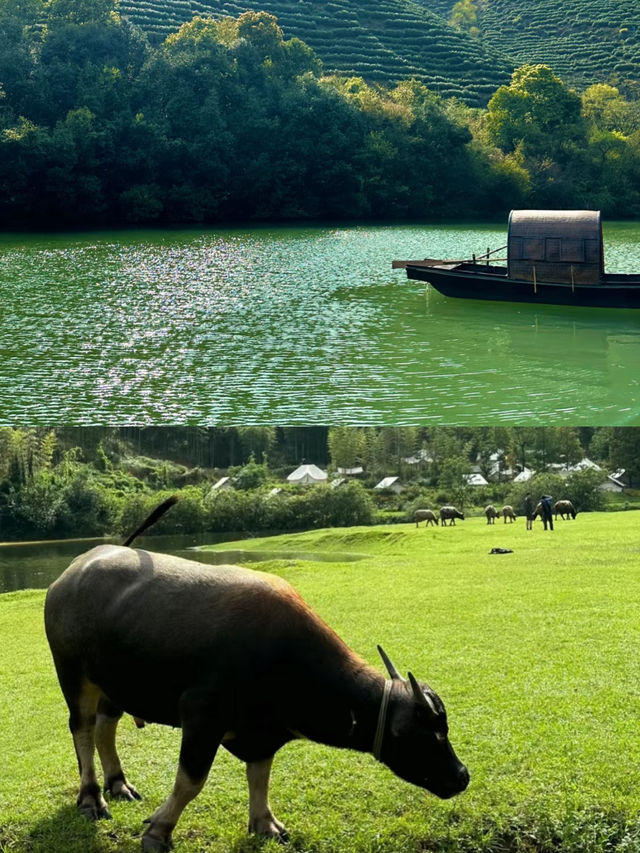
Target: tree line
95	481
227	120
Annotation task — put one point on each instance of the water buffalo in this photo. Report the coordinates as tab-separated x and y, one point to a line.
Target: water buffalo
492	513
450	513
426	515
508	513
562	508
235	658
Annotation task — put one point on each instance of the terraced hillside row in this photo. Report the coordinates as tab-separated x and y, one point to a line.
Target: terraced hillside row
384	41
584	41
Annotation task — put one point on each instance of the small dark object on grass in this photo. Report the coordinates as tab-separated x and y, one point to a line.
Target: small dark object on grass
501	551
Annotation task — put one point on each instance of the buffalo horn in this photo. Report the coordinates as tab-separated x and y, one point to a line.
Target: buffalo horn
421	696
393	672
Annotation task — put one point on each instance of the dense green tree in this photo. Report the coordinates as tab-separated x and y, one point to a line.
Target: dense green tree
346	446
465	16
536	110
624	451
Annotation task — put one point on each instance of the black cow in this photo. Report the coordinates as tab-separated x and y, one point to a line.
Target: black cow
426	515
235	658
450	513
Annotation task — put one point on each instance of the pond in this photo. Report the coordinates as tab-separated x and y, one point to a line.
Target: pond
35	565
296	326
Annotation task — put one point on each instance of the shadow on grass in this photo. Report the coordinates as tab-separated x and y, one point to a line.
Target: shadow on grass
258	844
67	831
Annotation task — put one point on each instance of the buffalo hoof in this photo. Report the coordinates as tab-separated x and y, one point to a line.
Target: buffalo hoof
94	811
155	845
269	827
122	792
151	844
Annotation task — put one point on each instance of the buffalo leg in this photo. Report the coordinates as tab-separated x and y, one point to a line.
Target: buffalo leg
200	741
82	722
115	783
261	818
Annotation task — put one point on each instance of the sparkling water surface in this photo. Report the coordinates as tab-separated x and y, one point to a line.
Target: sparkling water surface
297	326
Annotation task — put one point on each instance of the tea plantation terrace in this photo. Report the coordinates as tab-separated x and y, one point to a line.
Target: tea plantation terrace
385	42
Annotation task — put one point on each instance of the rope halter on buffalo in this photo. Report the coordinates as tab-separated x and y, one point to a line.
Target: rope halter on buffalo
382	720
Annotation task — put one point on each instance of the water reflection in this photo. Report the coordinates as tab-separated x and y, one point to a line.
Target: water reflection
242	557
35	565
296	326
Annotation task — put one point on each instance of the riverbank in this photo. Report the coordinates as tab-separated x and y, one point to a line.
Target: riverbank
534	654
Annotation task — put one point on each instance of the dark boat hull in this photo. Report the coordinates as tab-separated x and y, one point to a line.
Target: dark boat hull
469	281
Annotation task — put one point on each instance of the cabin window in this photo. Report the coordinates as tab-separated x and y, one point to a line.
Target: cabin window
533	249
592	251
553	249
515	249
573	250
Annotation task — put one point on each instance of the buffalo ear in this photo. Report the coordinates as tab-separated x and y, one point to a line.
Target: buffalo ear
393	672
421	697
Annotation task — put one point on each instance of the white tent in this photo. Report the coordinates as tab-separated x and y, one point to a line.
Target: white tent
585	464
475	480
223	483
524	475
306	475
392	483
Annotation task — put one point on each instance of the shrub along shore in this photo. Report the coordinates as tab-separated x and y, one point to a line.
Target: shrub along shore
533	652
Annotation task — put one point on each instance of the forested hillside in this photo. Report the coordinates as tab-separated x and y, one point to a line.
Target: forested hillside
228	120
380	40
584	41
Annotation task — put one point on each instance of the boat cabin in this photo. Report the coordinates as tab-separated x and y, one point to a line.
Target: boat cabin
562	246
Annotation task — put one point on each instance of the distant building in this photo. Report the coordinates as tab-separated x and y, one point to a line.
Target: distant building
392	483
307	475
351	472
524	475
616	482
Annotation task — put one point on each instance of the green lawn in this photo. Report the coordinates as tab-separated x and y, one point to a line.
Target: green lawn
536	655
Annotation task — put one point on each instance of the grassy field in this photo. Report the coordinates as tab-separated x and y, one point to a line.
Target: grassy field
536	655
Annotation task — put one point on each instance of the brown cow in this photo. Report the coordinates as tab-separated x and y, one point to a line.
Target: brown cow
492	513
235	658
562	508
508	513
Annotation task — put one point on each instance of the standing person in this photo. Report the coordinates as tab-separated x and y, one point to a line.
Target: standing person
547	513
528	510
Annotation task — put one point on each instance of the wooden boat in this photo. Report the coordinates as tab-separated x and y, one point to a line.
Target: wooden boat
554	257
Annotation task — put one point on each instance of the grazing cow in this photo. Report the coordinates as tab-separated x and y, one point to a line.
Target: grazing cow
508	513
562	508
492	513
234	657
450	513
426	515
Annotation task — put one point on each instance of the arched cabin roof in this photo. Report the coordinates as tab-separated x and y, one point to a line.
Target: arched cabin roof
555	246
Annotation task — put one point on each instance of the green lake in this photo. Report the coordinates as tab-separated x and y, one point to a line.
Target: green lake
297	326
